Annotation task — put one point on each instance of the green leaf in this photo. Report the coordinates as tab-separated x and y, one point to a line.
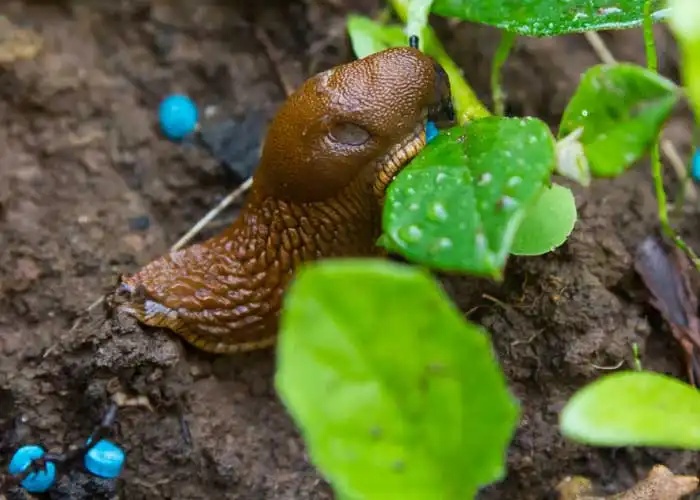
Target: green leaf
621	109
548	223
685	23
395	394
457	206
634	409
550	17
368	37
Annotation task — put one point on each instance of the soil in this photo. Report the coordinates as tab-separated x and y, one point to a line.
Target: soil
90	189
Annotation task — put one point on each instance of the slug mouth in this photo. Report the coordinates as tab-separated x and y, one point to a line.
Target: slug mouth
442	115
397	158
134	301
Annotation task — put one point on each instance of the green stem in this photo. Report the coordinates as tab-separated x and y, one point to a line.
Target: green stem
656	170
683	191
502	53
649	43
661	201
637	359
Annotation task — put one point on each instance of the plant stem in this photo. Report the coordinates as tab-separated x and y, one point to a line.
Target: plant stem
649	43
637	360
650	47
656	170
502	53
685	187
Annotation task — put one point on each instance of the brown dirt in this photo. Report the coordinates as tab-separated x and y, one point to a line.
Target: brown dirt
81	161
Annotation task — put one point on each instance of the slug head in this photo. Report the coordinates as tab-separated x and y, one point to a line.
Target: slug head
353	119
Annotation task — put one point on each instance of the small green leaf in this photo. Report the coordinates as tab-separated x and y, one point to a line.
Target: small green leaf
634	409
621	109
368	37
550	17
392	402
458	205
548	223
685	23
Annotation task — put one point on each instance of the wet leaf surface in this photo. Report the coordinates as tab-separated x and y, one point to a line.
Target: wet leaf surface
459	204
617	112
549	17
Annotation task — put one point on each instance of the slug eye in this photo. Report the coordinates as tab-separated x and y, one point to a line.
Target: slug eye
349	133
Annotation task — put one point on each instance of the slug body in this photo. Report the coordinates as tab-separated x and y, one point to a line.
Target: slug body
328	156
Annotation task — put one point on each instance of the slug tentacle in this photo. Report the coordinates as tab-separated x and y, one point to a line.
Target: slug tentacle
329	155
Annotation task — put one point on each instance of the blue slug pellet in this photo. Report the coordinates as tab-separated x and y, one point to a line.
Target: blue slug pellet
431	131
36	482
695	166
105	459
178	117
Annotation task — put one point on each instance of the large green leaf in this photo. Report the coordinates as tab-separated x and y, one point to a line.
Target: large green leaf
395	394
458	205
549	17
618	110
634	409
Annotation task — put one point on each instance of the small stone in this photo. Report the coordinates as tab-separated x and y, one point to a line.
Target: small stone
134	242
660	484
27	269
17	43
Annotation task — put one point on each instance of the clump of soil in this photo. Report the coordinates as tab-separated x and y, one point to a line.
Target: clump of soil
89	189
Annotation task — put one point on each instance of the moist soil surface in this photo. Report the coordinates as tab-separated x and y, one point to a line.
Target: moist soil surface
90	189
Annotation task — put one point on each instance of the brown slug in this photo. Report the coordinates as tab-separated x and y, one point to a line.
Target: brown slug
327	158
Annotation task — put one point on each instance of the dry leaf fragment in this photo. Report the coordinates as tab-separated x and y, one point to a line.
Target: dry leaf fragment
666	273
17	43
660	484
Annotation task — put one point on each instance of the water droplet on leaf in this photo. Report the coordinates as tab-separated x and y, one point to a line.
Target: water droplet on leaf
481	243
485	179
437	212
514	181
507	202
410	234
445	243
